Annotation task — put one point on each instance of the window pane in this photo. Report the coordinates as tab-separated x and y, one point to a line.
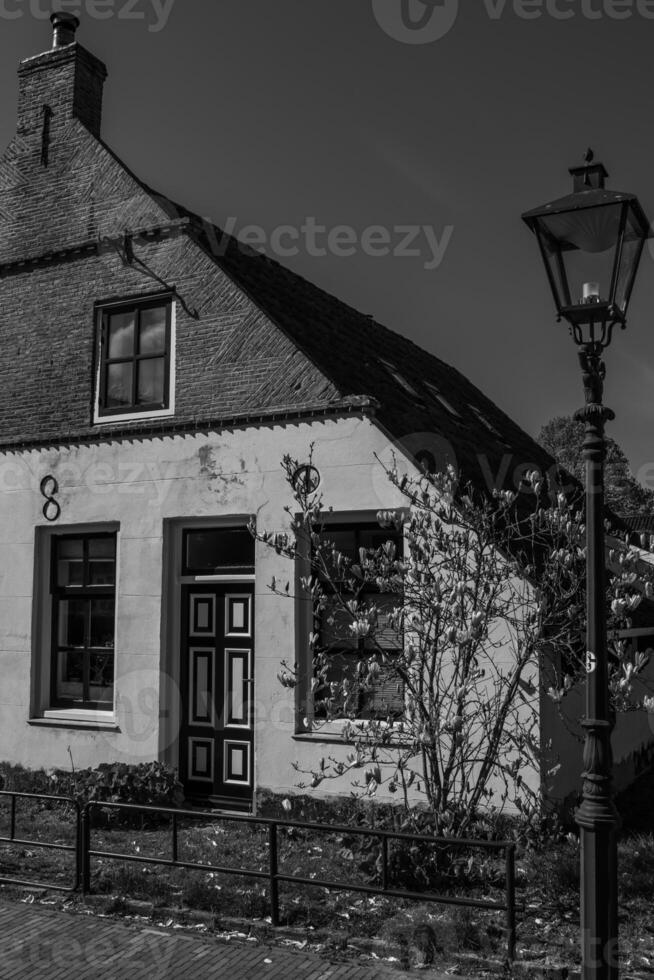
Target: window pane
121	335
341	666
102	547
102	572
385	637
119	384
385	697
101	677
102	564
102	623
72	616
375	538
70	674
153	331
70	547
70	562
335	626
151	381
209	550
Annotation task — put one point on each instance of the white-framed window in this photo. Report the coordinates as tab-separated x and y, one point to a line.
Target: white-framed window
74	618
135	359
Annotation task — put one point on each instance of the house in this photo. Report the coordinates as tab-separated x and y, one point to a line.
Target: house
153	374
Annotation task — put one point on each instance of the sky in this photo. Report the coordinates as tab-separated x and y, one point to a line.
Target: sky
385	149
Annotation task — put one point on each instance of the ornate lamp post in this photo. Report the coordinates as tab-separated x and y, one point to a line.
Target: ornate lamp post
591	242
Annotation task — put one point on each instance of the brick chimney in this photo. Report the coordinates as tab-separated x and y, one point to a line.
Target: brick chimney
64	82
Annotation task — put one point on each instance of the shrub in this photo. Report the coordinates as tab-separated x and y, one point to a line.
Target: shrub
148	784
19	780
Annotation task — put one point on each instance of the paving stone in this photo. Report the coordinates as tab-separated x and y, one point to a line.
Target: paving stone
44	944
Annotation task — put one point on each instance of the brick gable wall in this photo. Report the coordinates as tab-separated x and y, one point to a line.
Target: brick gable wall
61	228
230	360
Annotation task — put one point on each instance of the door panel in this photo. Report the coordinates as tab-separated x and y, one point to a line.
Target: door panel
217	673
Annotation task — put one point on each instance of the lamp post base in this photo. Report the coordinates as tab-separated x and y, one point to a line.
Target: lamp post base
598	821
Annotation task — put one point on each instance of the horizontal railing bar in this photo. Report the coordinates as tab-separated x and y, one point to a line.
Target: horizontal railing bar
37	884
38	843
300	825
167	862
39	796
395	893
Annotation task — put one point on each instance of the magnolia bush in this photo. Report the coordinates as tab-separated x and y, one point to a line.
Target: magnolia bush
487	605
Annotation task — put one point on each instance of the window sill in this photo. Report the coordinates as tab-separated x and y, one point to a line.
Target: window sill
76	718
133	416
334	736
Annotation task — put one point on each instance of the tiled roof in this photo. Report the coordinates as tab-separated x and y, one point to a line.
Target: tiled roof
416	392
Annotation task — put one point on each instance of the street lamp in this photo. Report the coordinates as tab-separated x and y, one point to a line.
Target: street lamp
591	242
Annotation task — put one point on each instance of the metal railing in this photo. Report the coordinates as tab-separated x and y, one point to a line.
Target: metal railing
72	848
274	876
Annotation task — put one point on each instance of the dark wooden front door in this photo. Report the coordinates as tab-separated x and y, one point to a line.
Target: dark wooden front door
217	652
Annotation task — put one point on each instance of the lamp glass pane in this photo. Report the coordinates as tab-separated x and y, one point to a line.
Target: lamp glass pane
556	269
588	239
629	259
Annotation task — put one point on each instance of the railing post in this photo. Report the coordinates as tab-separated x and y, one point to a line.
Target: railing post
274	884
174	854
510	901
384	854
12	830
86	846
78	843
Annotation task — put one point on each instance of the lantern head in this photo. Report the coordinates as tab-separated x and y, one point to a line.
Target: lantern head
591	242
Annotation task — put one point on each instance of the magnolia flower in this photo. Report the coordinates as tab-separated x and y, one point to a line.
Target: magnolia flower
618	607
648	705
286	805
360	628
476	620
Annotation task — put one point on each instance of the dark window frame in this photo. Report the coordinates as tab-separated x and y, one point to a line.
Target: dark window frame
358	647
137	306
85	592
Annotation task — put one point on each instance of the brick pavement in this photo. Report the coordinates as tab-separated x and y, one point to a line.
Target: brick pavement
43	944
